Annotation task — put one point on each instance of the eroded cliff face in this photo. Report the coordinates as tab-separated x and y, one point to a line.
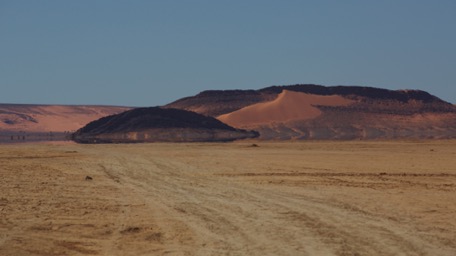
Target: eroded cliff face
158	125
337	112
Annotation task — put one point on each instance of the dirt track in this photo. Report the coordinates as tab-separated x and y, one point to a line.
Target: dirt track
309	198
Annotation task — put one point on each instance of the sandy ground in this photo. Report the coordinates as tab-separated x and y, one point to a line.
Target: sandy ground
298	198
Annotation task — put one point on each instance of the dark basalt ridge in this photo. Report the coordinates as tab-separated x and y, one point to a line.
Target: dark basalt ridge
219	102
155	124
362	91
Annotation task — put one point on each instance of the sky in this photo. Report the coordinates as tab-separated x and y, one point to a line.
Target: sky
148	53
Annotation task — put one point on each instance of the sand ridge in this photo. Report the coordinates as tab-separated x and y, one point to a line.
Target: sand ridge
55	118
288	106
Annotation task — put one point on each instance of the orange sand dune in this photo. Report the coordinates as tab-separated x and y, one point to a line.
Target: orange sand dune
288	106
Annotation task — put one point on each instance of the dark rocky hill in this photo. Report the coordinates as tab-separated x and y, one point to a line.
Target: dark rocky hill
305	111
219	102
155	124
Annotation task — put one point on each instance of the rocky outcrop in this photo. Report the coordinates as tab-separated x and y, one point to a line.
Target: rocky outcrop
358	91
336	112
156	124
215	103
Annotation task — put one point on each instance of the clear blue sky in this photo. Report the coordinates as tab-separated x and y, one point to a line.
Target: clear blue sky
147	53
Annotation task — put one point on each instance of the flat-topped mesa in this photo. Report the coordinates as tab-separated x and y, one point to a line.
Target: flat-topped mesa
361	91
218	102
156	124
309	111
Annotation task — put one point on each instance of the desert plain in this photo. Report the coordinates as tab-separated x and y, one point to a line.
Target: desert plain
240	198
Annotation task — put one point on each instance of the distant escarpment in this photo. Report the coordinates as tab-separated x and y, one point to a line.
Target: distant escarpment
51	118
156	124
336	112
27	122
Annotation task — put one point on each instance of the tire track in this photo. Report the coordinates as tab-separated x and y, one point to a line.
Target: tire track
234	217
